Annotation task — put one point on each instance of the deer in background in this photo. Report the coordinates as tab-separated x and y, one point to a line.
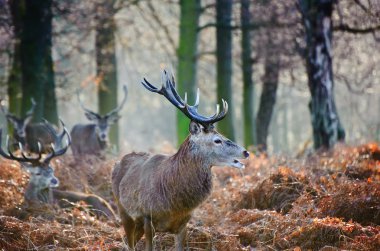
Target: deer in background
41	173
43	183
159	192
93	138
30	134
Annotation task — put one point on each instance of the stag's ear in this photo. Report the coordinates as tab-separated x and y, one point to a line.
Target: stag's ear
113	118
91	116
194	128
12	120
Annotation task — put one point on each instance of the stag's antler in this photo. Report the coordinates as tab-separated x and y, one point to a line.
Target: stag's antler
117	109
83	107
28	113
24	158
31	110
60	136
168	90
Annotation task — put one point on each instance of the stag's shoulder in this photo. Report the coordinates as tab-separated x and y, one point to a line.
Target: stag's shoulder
128	161
134	157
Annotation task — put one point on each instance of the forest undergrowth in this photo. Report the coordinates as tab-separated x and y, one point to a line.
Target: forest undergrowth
325	201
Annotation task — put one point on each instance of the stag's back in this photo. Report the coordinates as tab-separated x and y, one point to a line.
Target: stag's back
39	133
126	167
85	140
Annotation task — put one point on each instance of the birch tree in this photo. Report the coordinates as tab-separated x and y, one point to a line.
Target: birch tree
317	22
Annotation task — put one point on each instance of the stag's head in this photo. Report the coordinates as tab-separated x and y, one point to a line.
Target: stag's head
40	170
204	140
103	122
19	123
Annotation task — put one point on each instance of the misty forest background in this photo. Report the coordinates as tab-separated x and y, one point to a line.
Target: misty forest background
295	73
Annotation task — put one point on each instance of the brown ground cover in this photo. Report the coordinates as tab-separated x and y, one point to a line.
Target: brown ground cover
326	201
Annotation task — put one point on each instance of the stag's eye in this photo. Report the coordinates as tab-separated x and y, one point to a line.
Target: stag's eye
217	141
38	174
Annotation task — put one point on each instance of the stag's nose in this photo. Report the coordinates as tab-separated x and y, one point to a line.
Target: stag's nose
54	181
246	154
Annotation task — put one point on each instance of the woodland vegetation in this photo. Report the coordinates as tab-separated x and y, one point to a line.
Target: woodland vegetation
301	81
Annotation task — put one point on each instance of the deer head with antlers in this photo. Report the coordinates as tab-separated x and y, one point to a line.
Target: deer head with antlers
33	136
41	173
93	138
20	123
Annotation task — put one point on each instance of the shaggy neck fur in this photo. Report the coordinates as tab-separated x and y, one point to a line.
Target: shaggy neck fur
32	195
189	180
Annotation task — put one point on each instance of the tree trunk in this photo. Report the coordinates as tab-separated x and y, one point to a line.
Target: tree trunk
285	122
248	85
187	61
327	129
224	64
15	78
36	61
106	65
267	99
14	83
50	104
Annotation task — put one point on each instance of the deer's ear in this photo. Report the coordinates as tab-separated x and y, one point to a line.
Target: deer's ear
194	128
12	120
26	167
91	116
113	118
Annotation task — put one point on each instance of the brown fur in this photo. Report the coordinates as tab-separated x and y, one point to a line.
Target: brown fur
86	141
159	192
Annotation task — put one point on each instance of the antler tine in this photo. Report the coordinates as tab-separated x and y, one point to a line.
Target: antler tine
13	157
2	153
3	109
196	104
61	151
167	91
31	110
28	158
117	109
50	128
81	104
149	86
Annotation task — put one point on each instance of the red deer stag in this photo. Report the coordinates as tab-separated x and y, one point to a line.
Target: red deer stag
159	192
41	173
30	134
42	181
93	138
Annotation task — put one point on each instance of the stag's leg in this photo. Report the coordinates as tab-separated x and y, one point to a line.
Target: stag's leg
129	228
180	239
139	232
149	234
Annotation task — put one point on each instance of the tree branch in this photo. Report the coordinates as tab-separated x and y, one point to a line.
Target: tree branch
356	30
153	13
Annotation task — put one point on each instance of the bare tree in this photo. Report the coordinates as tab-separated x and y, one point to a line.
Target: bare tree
247	68
317	21
224	62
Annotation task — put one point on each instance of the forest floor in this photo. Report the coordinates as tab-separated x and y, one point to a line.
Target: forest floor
328	201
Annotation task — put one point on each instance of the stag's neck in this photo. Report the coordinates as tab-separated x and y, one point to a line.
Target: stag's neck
103	144
190	180
33	195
